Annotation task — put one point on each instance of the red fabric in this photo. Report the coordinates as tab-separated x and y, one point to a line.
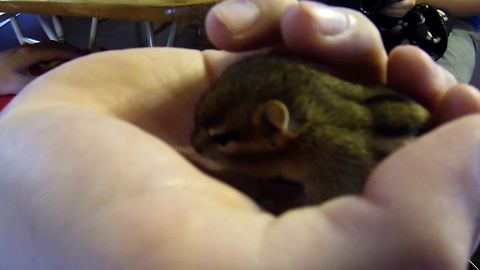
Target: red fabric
4	101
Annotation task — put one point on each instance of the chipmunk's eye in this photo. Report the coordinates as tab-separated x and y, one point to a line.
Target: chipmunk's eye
225	137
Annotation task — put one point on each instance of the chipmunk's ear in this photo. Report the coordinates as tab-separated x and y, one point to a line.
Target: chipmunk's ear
274	113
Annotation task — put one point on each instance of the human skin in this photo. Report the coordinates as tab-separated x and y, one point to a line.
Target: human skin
460	8
91	179
14	74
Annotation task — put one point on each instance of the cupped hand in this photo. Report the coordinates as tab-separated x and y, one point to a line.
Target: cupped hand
91	179
15	63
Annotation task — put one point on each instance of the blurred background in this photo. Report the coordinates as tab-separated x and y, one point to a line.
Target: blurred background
120	34
476	76
111	34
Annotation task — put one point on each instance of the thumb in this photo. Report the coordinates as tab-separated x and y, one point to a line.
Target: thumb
342	39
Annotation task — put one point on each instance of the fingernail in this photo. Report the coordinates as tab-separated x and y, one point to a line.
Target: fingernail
237	15
329	21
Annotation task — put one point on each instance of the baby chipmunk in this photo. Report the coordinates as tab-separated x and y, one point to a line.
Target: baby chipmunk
273	116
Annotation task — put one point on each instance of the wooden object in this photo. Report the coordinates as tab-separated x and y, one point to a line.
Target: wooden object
144	10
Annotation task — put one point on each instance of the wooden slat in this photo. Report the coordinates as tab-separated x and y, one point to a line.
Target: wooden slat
113	9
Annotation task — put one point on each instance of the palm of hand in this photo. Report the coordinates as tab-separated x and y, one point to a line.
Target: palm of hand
137	170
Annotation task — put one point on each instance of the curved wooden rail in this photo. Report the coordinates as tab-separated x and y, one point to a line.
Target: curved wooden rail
145	10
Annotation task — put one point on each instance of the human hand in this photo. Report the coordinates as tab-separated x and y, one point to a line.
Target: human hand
15	63
85	185
399	9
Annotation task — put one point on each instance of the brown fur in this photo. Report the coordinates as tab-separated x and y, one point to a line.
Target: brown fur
275	116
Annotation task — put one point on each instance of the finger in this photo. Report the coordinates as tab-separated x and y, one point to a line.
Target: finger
340	38
14	83
245	24
217	61
413	72
50	44
458	101
394	12
397	10
36	53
